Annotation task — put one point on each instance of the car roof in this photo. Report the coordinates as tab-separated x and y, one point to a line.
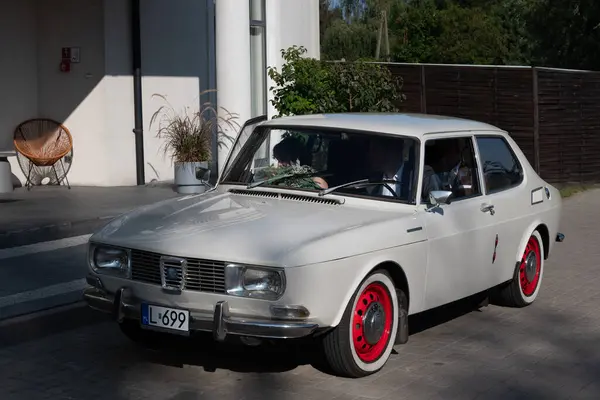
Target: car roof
405	124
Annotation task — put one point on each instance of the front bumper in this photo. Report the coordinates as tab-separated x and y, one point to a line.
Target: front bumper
220	322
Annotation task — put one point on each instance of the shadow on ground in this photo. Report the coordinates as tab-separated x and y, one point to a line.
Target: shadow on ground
274	356
454	352
489	353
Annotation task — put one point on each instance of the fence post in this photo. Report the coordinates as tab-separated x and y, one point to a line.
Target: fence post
423	91
536	121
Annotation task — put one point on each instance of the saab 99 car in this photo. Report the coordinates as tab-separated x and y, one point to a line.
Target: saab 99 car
334	227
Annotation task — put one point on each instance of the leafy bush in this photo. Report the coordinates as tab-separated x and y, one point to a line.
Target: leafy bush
310	86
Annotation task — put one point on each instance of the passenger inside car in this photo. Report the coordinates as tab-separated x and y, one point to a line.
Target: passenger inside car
289	151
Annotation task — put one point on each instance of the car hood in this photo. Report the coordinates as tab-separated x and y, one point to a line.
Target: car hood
254	228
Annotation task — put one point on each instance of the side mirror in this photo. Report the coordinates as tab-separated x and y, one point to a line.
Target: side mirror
439	197
202	173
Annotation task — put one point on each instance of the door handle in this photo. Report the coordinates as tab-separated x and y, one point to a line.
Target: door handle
488	208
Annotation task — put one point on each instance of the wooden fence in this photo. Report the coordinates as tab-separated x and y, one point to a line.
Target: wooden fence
554	115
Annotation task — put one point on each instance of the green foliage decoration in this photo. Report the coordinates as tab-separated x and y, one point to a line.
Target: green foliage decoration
296	176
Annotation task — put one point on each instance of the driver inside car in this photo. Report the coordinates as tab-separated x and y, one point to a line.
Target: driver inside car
386	162
444	168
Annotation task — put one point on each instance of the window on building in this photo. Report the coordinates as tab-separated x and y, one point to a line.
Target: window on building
501	168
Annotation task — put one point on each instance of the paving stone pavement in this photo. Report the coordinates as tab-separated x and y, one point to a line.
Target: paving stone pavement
54	212
546	351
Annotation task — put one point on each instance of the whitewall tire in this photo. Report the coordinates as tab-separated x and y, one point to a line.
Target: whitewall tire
524	288
362	342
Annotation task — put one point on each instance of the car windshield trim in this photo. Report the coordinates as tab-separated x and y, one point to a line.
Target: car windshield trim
259	134
232	158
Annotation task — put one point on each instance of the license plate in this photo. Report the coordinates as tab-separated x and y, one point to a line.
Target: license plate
165	318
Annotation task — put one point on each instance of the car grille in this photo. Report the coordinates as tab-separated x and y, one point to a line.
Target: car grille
201	275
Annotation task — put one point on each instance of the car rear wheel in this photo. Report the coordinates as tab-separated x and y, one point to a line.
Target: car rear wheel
523	289
362	342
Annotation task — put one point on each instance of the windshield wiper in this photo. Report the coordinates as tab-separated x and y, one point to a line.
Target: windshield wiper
278	178
361	183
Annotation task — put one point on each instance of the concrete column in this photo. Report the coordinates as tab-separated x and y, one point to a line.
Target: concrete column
233	65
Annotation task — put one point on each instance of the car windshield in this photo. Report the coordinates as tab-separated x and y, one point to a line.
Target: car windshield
353	163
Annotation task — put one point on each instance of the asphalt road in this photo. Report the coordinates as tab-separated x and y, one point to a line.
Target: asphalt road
546	351
42	275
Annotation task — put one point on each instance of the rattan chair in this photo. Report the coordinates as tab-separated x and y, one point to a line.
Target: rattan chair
43	142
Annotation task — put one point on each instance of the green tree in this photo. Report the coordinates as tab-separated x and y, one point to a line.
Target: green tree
348	41
512	15
470	36
327	16
354	10
414	31
566	33
436	31
309	86
445	32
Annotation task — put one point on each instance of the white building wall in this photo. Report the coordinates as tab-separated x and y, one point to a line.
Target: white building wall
75	98
233	66
95	99
118	142
290	22
34	80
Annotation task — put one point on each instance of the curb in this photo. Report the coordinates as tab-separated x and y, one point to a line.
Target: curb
46	233
40	305
50	321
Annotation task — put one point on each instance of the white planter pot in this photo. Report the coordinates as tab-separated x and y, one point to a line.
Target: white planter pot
191	177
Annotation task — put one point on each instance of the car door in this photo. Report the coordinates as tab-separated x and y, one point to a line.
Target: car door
502	176
460	242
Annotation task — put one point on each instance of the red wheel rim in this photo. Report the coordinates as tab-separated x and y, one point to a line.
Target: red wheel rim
531	267
372	322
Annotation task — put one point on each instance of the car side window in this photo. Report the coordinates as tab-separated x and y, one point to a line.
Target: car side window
449	164
501	168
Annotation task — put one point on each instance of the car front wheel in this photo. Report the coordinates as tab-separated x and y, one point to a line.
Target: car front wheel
362	342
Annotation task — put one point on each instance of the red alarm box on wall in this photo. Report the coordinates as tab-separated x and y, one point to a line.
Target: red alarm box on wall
65	66
65	63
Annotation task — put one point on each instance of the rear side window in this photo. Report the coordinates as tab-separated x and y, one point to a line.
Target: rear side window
501	168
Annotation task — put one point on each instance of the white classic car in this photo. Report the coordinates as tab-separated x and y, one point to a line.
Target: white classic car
335	227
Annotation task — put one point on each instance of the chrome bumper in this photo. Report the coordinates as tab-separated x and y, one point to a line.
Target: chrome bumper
124	306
